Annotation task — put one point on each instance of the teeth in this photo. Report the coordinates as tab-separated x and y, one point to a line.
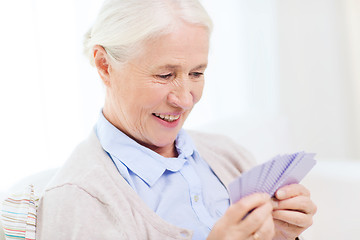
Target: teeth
168	118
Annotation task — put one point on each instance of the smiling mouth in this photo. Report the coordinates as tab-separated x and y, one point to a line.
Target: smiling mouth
168	118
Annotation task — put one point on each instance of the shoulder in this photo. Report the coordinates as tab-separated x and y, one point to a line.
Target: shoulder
84	159
80	192
86	171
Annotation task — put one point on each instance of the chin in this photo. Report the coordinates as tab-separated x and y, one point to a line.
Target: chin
163	139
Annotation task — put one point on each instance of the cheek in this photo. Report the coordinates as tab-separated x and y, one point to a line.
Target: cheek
117	97
197	91
147	99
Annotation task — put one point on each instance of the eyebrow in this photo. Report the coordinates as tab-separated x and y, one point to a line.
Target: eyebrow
174	67
201	66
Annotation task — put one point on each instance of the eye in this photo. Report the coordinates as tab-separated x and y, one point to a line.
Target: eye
165	76
196	74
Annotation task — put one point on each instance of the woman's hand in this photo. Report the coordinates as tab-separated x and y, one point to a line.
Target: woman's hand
236	224
293	211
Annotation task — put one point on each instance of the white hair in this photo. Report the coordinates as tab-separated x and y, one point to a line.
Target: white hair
122	25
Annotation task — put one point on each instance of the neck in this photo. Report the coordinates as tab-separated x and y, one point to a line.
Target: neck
165	151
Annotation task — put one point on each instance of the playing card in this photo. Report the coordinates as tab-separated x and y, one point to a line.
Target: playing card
234	190
266	171
280	167
272	175
297	171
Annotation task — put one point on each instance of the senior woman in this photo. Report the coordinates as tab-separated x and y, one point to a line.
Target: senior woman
139	175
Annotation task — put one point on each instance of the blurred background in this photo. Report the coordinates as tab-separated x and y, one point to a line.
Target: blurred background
283	76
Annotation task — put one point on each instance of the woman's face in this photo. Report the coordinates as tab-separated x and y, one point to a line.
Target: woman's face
150	97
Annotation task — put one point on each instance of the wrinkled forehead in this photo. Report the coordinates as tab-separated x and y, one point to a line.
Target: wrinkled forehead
187	45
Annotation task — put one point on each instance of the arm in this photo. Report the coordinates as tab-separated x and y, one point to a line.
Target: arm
69	212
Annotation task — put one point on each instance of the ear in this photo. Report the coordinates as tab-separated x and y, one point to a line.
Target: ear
102	64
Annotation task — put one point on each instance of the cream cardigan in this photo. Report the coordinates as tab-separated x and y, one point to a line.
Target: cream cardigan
89	199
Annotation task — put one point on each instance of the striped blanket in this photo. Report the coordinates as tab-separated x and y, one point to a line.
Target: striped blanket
18	215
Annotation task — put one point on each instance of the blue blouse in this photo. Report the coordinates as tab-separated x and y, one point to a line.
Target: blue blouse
183	191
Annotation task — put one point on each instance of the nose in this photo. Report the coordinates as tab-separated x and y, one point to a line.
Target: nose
181	96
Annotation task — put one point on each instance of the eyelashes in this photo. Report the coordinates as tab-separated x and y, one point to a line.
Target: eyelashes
171	75
165	76
196	74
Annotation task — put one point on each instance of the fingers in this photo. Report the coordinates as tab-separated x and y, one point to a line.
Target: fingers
265	231
237	211
282	226
296	209
259	222
257	217
250	215
293	211
300	203
292	190
293	218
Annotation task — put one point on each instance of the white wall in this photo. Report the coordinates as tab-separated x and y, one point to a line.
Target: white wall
242	75
289	69
46	86
241	96
352	15
316	86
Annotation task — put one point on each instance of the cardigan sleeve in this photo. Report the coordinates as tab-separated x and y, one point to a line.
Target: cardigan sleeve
69	212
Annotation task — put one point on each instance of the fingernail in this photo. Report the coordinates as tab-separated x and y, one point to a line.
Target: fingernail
280	194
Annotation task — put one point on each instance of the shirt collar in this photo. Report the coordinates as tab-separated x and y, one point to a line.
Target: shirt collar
142	161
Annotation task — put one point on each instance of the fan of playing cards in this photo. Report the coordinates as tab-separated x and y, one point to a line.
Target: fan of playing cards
270	176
